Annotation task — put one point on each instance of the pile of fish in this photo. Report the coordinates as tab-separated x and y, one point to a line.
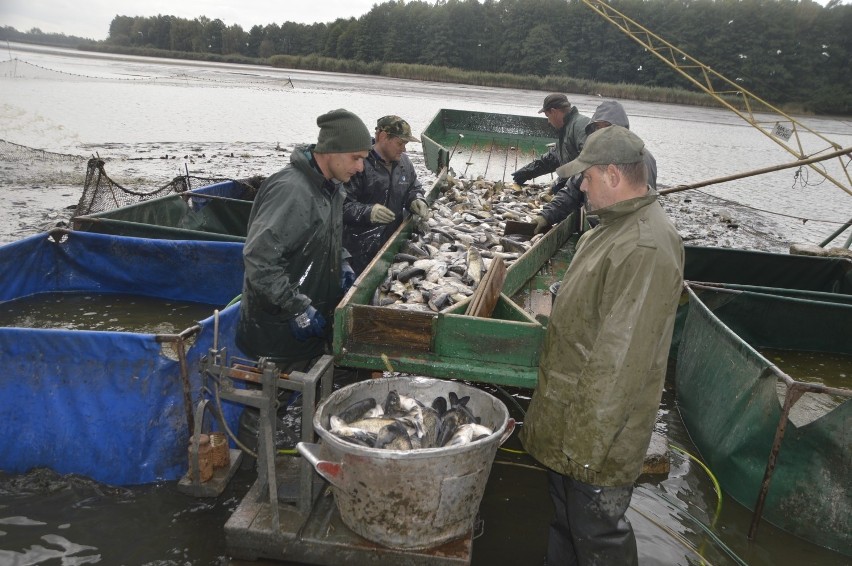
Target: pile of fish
446	256
404	423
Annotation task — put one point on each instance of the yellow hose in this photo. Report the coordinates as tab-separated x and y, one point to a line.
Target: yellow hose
712	478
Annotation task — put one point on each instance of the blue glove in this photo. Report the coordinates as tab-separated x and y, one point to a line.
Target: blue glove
307	325
347	276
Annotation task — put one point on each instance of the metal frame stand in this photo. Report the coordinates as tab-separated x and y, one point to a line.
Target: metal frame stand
306	527
268	376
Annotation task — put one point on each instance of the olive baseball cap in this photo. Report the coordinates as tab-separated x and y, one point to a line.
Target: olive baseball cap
613	144
552	101
397	127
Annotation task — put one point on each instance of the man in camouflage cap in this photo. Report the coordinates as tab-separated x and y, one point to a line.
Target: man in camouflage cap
378	197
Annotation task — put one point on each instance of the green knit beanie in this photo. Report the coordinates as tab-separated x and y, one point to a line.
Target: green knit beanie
342	131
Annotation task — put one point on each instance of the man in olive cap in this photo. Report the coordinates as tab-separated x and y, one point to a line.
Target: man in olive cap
294	271
604	357
377	198
571	128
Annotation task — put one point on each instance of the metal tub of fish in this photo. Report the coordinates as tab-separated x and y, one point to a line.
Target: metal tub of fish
408	499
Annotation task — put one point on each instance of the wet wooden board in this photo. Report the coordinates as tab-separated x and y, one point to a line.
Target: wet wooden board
521	228
216	484
322	538
488	291
383	327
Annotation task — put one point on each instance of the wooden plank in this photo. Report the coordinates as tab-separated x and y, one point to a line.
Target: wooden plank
391	328
521	228
488	292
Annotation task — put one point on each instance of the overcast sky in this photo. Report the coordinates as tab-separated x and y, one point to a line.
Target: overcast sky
91	18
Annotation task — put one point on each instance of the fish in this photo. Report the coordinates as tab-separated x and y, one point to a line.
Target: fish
403	422
357	410
467	433
394	436
358	436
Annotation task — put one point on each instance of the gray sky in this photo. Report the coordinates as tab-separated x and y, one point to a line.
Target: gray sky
91	18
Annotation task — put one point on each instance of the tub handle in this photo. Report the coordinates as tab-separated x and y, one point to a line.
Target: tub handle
507	432
331	471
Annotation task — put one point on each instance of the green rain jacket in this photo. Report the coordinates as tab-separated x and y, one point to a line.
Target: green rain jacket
292	259
604	358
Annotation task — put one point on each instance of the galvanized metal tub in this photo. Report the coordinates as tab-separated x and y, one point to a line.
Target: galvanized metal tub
408	499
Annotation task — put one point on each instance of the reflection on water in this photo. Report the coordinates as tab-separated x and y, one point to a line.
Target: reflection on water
106	312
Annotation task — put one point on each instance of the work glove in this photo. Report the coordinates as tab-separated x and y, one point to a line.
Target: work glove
381	214
557	185
347	276
541	224
307	325
420	208
520	176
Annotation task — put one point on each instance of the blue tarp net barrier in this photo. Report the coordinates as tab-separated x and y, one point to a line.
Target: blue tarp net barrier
108	405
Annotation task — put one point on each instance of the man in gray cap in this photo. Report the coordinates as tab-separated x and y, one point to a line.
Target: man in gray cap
569	197
570	125
604	358
293	251
377	197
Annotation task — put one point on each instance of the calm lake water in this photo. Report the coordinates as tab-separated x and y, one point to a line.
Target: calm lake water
155	119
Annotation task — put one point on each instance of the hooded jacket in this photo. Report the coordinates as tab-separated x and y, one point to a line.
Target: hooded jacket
570	197
572	137
292	259
605	350
393	185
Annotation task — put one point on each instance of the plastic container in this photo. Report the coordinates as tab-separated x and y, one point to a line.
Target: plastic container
408	499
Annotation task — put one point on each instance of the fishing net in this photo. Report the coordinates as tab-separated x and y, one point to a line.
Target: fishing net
101	193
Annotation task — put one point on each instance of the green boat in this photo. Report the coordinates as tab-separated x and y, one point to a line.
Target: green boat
779	446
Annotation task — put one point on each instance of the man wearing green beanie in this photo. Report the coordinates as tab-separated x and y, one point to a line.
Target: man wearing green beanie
294	271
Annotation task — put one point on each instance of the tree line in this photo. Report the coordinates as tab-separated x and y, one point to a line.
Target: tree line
792	53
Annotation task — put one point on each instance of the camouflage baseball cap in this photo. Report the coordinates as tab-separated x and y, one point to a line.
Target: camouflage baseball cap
614	144
396	126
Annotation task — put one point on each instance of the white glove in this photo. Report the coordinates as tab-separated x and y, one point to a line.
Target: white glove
541	224
381	214
420	208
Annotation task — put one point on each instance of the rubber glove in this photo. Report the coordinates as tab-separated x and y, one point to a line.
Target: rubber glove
541	224
557	185
381	214
420	208
347	276
308	324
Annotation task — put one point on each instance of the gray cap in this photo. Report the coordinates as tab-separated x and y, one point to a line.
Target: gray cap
610	145
552	101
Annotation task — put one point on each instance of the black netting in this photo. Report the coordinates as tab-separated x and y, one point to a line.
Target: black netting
100	193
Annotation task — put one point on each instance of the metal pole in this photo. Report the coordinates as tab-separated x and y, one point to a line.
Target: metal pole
793	395
771	169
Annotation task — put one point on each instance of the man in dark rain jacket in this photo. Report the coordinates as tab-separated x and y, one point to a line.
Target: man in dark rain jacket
377	197
604	357
293	253
569	197
570	124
